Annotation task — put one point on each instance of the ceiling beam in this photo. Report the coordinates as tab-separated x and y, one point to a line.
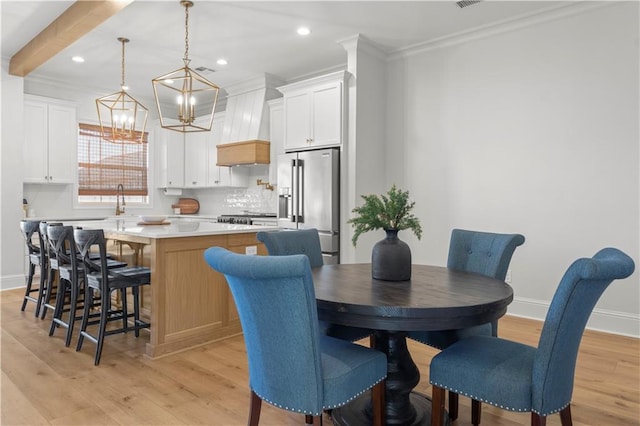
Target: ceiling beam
80	18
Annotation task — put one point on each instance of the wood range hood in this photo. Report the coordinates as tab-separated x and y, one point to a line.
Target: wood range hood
244	153
245	133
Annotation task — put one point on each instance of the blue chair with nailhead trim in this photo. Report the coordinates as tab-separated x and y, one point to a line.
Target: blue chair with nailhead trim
518	377
483	253
307	241
291	364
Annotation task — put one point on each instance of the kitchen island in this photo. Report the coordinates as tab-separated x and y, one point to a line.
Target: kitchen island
189	303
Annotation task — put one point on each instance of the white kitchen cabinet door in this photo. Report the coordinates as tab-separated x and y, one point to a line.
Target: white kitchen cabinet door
297	131
196	155
326	118
50	141
171	159
35	147
63	144
216	176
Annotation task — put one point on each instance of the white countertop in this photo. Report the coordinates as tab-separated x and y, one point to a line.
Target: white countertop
176	227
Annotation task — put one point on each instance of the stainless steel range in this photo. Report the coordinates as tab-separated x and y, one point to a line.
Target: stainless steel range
262	219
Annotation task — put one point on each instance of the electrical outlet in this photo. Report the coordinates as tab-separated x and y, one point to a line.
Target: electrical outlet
507	278
251	250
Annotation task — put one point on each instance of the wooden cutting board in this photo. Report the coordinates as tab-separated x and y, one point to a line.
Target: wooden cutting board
187	205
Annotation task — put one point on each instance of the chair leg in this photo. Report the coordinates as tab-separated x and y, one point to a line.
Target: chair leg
41	290
125	310
453	405
27	292
538	420
254	410
72	312
308	419
105	297
437	405
476	412
136	309
51	275
88	303
378	392
59	306
565	416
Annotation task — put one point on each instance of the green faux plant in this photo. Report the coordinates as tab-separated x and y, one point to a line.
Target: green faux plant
387	211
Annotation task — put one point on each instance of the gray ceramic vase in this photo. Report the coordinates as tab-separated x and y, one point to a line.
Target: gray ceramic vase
391	258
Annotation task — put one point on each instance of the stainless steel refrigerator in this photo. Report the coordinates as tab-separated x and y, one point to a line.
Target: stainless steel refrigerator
309	196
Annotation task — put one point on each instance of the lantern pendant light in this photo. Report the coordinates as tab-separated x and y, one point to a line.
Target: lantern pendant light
122	118
186	100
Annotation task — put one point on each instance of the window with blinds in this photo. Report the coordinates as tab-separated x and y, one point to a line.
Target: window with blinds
102	165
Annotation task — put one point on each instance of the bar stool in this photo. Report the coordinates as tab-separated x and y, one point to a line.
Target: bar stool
46	253
99	277
71	278
30	228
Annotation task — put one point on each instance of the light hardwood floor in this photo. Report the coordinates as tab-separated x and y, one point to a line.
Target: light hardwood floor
43	382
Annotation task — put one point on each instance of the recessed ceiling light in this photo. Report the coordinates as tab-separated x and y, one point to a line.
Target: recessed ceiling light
221	61
304	31
78	59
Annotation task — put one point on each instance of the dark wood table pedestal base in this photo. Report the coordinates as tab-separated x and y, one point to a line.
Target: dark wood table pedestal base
402	406
357	413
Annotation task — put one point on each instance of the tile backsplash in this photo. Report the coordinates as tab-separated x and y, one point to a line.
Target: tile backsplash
236	200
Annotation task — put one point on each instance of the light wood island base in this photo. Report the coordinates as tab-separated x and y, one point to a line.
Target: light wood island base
190	304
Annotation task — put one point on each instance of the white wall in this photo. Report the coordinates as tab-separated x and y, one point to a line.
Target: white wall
534	131
11	242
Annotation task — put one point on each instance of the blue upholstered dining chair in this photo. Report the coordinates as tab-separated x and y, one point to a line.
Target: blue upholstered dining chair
307	241
482	253
291	364
518	377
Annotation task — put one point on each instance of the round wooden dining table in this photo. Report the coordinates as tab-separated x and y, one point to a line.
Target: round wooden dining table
436	298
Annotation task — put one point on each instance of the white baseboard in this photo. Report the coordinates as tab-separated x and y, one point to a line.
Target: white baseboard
614	322
8	282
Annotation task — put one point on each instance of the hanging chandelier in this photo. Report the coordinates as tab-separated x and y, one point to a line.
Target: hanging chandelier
186	101
122	118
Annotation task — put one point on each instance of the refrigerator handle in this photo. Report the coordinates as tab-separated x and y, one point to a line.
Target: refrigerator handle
300	218
294	190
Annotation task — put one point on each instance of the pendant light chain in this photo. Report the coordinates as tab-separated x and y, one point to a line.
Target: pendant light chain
186	30
123	40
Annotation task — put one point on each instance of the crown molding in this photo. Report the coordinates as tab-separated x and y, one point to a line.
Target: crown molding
512	24
363	44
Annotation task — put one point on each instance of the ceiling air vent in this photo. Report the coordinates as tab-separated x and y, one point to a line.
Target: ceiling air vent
466	3
204	69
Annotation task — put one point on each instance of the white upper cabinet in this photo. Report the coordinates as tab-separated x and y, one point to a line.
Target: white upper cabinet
217	176
314	112
171	158
196	155
50	141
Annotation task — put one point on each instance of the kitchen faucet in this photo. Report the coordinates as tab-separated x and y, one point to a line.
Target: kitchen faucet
119	207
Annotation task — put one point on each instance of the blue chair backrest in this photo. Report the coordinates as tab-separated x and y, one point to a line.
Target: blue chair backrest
276	303
576	295
301	241
483	253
